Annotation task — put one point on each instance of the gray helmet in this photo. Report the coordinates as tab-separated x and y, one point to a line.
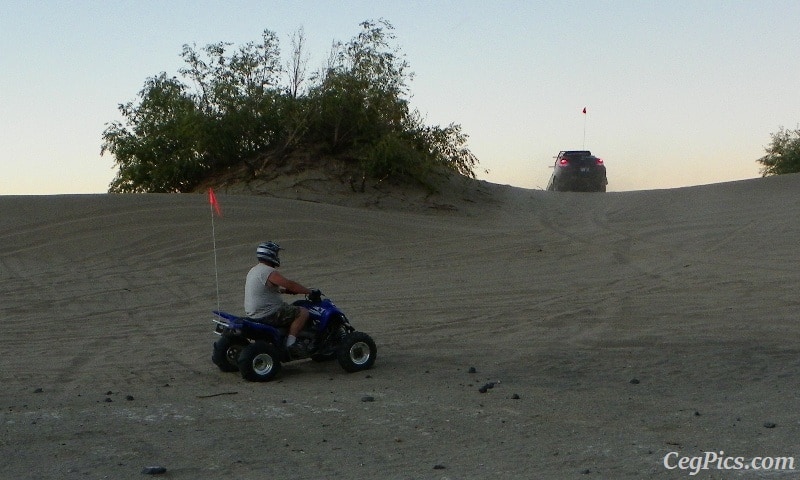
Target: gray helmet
268	251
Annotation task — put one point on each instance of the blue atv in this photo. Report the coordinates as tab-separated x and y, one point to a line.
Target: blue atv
257	350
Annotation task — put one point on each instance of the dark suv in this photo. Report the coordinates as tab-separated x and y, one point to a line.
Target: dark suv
578	171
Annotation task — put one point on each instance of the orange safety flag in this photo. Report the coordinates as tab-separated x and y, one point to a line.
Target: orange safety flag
212	199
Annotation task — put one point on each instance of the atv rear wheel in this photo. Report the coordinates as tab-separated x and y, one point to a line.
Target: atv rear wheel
226	352
259	362
357	352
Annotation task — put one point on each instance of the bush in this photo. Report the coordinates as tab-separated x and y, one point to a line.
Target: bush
783	154
236	111
159	149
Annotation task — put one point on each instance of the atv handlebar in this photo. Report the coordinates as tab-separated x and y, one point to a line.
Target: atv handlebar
315	296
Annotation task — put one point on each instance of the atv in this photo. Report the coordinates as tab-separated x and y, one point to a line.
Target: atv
257	350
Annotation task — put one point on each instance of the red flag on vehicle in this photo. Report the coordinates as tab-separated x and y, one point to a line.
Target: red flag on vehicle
212	199
584	110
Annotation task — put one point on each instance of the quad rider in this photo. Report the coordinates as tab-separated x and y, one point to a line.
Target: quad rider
263	302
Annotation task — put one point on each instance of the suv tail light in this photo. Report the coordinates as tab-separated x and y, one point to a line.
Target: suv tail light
599	161
563	162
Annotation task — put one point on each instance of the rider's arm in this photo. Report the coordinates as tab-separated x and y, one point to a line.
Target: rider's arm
289	286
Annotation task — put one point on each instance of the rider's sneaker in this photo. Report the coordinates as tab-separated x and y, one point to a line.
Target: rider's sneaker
298	350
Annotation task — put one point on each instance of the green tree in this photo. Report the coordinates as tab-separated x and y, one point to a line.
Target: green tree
176	135
361	94
163	125
240	96
783	154
360	105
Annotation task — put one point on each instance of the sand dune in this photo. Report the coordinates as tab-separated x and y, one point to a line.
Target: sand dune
619	327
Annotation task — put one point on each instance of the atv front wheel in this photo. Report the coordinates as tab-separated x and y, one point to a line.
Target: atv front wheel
357	352
259	362
226	352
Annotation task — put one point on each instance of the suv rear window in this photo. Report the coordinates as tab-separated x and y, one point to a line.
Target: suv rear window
576	154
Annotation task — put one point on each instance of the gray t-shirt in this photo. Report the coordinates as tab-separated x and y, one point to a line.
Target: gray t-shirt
261	299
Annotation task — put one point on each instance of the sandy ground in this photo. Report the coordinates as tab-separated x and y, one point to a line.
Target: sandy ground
618	328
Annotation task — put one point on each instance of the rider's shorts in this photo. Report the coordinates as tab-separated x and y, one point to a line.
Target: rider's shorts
283	317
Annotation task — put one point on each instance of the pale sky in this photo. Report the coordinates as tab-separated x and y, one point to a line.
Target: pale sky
678	93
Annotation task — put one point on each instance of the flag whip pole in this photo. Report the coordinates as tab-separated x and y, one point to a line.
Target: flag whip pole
213	205
584	129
